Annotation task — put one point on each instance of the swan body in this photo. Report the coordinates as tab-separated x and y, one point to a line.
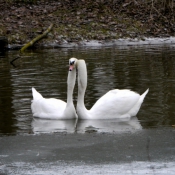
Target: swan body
51	108
114	104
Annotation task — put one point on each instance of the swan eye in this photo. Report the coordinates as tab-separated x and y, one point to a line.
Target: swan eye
72	62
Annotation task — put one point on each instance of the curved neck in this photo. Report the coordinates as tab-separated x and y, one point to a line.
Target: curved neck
70	85
82	83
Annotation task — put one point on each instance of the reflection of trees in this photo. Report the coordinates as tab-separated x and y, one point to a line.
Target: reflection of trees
162	74
115	69
168	64
7	119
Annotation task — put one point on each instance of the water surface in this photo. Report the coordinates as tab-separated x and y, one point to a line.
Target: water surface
128	67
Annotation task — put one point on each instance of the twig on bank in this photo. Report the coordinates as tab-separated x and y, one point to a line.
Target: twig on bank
29	44
36	39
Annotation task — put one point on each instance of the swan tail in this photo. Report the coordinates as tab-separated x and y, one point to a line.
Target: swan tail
36	95
136	108
143	95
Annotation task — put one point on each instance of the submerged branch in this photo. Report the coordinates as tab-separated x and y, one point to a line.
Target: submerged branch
11	62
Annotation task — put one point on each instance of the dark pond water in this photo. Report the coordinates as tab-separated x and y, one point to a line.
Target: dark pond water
132	67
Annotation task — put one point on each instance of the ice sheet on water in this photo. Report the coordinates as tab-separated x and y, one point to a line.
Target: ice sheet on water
55	168
115	42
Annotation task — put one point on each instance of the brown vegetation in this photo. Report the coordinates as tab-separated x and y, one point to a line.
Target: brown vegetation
75	20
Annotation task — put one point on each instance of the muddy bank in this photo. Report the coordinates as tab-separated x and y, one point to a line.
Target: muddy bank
82	21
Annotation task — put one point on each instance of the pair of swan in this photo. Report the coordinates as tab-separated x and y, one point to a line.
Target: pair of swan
114	104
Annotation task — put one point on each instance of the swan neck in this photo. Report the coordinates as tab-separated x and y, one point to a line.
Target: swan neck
70	85
82	82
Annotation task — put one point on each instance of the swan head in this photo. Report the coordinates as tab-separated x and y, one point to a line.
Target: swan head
72	63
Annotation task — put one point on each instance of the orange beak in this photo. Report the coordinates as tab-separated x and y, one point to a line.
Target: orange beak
71	67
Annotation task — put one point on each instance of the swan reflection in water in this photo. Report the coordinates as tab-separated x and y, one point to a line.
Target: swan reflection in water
49	126
83	126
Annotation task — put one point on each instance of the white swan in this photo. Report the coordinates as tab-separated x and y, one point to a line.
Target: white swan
114	104
54	108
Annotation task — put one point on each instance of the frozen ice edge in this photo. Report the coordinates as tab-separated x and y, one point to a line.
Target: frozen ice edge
104	43
57	168
118	42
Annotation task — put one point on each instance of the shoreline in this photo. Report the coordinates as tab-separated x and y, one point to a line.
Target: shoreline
101	43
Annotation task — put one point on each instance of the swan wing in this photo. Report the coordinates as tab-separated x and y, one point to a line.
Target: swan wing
115	104
48	108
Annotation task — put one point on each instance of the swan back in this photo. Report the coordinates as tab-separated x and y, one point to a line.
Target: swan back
115	104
